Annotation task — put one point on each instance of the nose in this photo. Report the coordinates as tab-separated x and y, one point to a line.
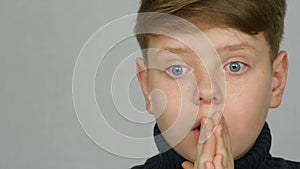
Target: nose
208	90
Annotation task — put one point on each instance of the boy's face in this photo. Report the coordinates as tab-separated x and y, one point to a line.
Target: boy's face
252	85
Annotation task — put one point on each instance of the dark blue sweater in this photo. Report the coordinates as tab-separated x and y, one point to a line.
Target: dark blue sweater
257	158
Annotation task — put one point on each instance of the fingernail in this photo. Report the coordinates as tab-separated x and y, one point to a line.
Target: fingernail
206	131
222	159
203	120
220	133
217	117
206	165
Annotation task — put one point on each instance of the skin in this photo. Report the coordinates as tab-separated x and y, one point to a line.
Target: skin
257	86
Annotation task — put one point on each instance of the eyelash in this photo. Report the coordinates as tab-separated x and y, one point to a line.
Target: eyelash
243	67
183	68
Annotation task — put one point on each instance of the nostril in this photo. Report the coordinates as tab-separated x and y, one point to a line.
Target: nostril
208	97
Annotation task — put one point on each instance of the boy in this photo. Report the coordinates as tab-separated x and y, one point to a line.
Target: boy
226	124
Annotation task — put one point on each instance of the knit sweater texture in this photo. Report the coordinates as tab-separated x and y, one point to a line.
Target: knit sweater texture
258	157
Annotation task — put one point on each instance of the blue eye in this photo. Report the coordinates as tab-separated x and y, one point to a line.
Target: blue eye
236	67
177	70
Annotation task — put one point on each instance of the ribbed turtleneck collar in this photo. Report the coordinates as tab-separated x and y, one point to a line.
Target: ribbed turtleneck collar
259	153
256	158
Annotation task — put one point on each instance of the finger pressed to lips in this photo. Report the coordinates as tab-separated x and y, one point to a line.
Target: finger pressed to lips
214	150
207	127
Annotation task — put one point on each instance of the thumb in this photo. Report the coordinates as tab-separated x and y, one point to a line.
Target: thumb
187	165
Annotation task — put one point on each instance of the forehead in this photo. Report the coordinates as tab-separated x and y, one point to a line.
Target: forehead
222	40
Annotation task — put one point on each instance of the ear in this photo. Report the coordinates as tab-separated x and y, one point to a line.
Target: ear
142	74
279	78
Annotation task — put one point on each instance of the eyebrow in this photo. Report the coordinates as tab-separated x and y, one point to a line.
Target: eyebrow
237	46
230	47
176	50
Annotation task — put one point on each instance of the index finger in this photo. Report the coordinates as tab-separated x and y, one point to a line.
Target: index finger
205	150
209	126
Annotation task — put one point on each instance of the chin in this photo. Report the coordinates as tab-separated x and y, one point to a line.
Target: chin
187	149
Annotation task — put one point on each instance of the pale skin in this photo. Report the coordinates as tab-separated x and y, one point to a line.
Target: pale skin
253	85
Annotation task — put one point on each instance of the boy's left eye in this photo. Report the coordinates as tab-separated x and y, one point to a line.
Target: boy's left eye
236	67
177	70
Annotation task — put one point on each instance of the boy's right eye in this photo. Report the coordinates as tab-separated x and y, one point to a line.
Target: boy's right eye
177	70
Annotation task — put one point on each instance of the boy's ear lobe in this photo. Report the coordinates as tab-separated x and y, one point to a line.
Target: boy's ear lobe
142	74
279	78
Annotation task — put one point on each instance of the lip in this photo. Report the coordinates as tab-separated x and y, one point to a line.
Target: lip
196	133
196	125
196	128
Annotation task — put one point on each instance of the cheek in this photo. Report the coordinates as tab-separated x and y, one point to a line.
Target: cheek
245	113
158	101
249	98
179	104
166	105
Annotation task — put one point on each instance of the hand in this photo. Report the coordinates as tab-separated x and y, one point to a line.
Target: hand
215	152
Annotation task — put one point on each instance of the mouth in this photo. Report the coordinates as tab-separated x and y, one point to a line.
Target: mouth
196	128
